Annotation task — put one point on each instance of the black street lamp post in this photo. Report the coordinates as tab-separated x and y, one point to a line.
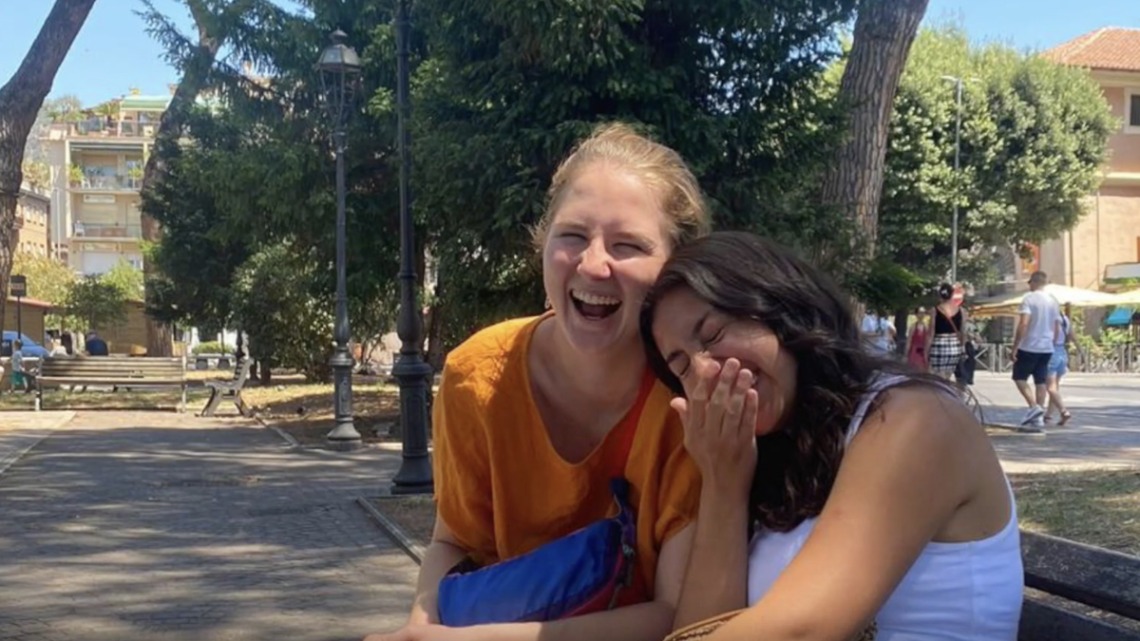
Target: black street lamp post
410	370
339	68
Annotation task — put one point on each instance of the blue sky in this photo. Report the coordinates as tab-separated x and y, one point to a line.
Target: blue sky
113	53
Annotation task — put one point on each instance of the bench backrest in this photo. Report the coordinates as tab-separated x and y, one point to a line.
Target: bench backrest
241	371
114	367
1095	577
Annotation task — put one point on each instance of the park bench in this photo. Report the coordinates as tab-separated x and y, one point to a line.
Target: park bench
1077	592
116	371
231	389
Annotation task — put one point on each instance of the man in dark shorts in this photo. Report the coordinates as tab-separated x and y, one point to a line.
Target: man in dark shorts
1039	321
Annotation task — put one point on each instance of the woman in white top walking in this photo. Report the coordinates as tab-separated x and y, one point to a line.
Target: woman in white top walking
869	493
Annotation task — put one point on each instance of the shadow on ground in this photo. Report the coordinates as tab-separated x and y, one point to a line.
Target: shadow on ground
148	526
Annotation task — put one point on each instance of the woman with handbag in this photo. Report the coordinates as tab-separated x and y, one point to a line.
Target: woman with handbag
944	346
840	490
536	418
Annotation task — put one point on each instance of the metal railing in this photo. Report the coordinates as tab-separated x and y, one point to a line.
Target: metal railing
1115	359
107	230
111	182
117	128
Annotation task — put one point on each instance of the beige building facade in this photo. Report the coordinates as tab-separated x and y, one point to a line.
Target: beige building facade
31	233
96	173
1104	248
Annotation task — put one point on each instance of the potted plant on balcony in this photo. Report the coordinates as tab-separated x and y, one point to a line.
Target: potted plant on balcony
75	175
135	176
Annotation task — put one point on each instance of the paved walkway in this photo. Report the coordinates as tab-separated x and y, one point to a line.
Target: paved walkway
1104	432
151	526
21	431
133	526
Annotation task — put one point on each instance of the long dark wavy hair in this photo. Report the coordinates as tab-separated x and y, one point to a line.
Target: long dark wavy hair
748	277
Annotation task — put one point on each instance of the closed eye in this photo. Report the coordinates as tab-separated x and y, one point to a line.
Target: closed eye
713	340
678	364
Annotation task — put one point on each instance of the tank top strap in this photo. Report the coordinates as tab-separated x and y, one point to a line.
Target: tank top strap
880	383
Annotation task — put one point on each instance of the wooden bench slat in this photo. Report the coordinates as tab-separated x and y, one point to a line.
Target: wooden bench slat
123	381
1045	622
124	364
104	368
1100	578
130	372
110	372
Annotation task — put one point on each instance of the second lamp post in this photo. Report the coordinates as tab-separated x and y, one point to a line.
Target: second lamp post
339	68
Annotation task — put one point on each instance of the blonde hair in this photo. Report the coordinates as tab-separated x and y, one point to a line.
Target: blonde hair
659	167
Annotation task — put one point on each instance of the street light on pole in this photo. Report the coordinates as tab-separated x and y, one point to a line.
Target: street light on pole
957	165
339	68
411	370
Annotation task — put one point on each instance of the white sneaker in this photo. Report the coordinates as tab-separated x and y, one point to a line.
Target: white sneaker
1034	414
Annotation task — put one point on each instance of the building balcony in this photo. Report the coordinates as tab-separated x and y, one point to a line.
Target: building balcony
94	182
106	231
103	128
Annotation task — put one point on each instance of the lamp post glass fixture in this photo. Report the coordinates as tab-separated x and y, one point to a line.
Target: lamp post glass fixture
412	372
339	68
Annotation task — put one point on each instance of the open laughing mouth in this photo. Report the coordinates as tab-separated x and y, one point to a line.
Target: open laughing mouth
594	306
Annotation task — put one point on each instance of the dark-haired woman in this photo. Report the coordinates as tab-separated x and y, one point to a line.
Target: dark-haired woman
945	345
870	491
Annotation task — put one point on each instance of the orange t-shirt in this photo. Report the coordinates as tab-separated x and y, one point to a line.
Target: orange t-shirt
503	490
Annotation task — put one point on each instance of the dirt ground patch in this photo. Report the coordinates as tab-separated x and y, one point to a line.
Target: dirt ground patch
414	514
305	410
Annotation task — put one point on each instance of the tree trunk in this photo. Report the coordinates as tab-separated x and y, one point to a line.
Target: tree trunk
20	102
884	32
166	146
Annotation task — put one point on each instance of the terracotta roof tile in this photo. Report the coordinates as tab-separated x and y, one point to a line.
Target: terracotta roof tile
1111	48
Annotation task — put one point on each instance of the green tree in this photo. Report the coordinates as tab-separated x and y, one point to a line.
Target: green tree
20	100
503	90
1034	136
95	303
126	278
288	321
234	24
258	174
49	279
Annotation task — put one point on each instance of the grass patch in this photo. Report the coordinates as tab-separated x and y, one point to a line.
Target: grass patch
414	514
1098	507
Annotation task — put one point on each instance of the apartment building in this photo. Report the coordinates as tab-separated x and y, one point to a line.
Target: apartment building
1104	249
33	223
96	173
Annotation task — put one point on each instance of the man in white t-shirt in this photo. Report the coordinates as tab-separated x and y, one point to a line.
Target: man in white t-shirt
1038	324
878	334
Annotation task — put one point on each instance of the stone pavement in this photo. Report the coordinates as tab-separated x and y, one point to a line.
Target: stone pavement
1104	431
128	526
21	431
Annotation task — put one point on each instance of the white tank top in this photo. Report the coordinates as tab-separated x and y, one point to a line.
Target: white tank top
968	591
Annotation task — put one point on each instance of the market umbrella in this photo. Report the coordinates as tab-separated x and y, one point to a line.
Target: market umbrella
1127	298
1075	296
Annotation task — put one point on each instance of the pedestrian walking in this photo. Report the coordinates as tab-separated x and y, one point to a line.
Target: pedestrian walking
1038	325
